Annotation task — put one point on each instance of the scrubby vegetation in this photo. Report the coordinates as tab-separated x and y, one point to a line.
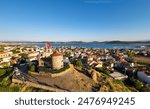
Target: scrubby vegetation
32	67
78	63
23	55
112	85
57	71
50	71
135	83
2	72
103	70
60	70
15	51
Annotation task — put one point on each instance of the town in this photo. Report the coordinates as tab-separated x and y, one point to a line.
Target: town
74	69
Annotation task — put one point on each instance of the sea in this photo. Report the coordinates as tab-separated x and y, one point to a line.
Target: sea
93	45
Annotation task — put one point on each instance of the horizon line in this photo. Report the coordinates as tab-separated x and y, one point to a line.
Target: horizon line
75	41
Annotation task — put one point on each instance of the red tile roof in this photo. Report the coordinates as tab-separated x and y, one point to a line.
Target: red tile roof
57	54
2	52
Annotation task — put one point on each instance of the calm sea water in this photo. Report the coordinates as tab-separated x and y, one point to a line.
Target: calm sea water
91	45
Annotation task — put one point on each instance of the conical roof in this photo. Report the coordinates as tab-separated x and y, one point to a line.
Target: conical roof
57	54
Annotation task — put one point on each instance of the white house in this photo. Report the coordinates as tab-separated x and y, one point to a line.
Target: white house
8	59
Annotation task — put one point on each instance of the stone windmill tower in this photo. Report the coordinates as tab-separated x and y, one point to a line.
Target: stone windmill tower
57	60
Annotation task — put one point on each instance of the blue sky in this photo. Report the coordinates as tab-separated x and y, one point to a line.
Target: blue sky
69	20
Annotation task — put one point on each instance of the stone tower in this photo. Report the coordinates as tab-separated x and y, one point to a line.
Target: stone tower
57	60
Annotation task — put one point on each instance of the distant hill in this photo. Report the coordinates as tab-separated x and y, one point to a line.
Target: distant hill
77	42
126	42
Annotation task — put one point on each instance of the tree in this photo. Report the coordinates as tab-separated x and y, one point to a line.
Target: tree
68	54
32	68
15	51
78	63
1	49
49	58
107	63
138	84
130	54
12	58
24	55
103	70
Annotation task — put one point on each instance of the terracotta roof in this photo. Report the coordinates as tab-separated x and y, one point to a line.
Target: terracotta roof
57	54
14	61
2	52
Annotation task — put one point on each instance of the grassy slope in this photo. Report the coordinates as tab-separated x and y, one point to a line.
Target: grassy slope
111	85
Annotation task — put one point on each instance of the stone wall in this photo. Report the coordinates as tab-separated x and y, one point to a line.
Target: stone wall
52	75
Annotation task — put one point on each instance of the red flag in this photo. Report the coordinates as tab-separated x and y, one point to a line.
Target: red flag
48	45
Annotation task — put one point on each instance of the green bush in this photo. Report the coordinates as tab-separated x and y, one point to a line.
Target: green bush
136	83
6	81
15	51
2	72
60	70
10	88
103	70
68	54
78	63
118	82
24	55
32	68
